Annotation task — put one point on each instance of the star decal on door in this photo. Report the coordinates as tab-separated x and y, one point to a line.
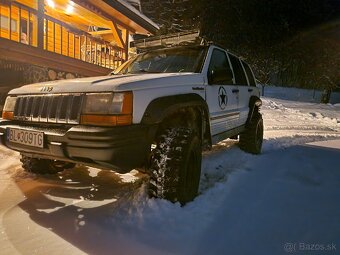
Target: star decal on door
222	98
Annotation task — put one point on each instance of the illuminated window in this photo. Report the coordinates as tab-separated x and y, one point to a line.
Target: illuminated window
5	24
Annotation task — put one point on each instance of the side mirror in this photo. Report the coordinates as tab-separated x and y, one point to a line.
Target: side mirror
220	76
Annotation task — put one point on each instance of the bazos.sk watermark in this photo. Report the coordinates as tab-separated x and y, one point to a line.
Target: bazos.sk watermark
301	246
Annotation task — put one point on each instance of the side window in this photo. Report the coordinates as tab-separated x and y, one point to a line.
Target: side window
240	76
219	69
250	75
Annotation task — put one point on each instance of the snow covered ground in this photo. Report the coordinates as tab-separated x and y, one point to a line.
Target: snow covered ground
285	201
298	94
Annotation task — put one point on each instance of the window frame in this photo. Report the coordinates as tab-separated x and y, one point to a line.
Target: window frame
4	25
245	64
245	75
228	61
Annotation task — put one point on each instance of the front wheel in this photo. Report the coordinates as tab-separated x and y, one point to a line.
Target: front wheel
175	166
251	140
44	166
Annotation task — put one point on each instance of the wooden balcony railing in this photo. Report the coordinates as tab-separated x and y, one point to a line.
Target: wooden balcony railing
20	23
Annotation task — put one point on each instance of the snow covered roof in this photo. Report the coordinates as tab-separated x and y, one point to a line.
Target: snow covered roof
134	15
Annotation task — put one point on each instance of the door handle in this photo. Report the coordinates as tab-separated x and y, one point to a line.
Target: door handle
197	88
235	90
250	90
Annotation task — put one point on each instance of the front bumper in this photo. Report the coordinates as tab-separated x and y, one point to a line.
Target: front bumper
120	148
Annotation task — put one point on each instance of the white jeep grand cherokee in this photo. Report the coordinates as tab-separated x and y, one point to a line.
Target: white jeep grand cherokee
156	112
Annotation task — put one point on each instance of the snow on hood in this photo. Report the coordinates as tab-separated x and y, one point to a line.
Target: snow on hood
111	83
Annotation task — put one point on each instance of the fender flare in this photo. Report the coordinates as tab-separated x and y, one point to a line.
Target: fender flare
254	104
162	107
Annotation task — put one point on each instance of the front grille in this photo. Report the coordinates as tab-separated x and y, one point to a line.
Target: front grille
49	108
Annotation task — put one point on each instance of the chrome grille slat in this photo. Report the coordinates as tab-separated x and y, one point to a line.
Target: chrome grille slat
74	115
59	114
44	109
61	108
26	108
36	108
22	107
64	109
29	106
52	113
69	107
16	107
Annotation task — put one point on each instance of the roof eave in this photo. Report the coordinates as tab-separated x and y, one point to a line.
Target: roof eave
137	17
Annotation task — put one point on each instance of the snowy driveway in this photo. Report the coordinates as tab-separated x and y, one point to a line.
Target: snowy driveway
281	202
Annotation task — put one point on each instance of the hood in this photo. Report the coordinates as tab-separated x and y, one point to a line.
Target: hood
111	83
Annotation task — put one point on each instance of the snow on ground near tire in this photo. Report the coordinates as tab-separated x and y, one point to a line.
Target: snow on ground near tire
248	204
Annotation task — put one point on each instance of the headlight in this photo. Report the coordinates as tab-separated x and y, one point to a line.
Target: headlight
8	111
97	103
107	109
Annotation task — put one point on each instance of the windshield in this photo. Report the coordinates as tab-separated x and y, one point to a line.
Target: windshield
174	60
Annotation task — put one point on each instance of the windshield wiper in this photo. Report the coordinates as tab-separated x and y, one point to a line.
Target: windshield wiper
143	71
136	72
147	71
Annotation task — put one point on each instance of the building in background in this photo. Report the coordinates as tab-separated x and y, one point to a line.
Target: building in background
42	40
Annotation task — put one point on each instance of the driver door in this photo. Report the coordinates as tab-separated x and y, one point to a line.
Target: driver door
222	94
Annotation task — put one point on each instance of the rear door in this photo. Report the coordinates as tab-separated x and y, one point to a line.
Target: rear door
220	94
251	79
242	87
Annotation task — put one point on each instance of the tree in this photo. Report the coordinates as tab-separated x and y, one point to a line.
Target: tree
267	22
263	31
269	34
172	15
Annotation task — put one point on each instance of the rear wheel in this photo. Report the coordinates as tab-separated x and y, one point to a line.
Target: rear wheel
44	166
251	140
175	167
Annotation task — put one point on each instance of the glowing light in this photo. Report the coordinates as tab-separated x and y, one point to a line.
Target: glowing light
69	9
51	4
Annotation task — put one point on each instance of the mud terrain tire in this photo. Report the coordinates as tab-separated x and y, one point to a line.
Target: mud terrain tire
251	140
175	166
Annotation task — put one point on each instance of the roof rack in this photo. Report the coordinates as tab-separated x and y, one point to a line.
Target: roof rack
170	40
187	38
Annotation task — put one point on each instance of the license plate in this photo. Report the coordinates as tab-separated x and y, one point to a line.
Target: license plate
25	137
